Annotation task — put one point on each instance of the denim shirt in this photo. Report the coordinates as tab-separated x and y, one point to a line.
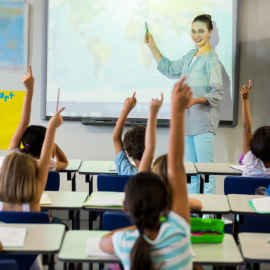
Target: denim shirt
204	76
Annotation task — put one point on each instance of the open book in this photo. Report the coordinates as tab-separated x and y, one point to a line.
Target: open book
45	200
12	236
116	199
260	205
239	168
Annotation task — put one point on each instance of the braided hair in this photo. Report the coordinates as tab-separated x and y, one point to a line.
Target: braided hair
146	198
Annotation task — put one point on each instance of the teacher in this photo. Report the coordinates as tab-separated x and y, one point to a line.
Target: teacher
204	74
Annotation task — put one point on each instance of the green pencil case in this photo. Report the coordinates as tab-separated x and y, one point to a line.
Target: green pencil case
215	225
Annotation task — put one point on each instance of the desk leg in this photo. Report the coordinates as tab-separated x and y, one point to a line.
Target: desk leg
188	179
218	216
71	216
91	180
91	218
51	262
90	266
73	184
256	266
77	220
201	185
71	266
206	180
235	228
101	266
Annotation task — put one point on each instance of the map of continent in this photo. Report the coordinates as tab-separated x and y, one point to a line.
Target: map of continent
13	36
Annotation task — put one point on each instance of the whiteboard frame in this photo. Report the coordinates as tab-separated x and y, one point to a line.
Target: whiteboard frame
237	8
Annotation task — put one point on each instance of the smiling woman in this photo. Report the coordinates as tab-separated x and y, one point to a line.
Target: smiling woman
204	74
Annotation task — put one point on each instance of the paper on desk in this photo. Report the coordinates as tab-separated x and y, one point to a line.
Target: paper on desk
1	160
239	168
45	200
12	237
93	249
261	204
113	168
109	200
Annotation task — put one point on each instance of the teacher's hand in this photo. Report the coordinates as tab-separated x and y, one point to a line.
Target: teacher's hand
148	39
191	103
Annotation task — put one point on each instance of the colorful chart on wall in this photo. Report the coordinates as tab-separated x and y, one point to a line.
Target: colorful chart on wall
11	103
14	18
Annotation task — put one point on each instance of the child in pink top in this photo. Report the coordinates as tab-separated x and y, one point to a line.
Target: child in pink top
256	146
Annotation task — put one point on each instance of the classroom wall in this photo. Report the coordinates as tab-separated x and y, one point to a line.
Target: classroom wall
95	143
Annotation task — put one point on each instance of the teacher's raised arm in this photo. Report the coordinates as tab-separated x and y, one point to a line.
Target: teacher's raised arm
149	40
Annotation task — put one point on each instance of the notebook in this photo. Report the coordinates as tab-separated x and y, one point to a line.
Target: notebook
260	205
116	199
239	168
93	249
45	200
12	237
113	168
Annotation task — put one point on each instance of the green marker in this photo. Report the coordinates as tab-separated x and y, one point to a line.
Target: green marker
146	27
161	122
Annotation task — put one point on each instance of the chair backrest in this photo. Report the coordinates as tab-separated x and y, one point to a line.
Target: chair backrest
247	186
115	183
115	220
8	265
22	217
53	181
244	185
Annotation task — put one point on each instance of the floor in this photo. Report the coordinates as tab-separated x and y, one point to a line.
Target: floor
84	226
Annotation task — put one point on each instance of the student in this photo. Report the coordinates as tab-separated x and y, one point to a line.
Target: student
33	137
160	164
256	146
150	244
133	143
160	168
23	179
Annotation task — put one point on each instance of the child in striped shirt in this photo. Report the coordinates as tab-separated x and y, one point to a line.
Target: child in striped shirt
151	244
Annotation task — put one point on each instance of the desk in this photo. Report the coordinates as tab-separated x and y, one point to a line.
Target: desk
73	251
212	204
73	167
218	254
67	200
41	239
239	206
91	168
214	169
255	247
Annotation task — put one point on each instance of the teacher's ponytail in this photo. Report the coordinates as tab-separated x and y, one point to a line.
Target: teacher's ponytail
205	18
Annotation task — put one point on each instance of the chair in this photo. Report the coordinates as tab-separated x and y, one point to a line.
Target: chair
53	181
115	220
247	186
8	265
114	183
24	261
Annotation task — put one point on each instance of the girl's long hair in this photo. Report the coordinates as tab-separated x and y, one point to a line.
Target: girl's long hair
146	198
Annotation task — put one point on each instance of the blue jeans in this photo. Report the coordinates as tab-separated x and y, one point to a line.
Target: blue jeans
200	148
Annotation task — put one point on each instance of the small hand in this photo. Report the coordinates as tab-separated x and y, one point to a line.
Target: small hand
181	96
155	105
28	80
245	91
148	39
57	120
130	103
192	102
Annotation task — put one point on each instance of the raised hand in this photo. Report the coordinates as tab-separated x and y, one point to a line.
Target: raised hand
148	39
245	91
130	103
155	105
57	120
28	80
181	96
